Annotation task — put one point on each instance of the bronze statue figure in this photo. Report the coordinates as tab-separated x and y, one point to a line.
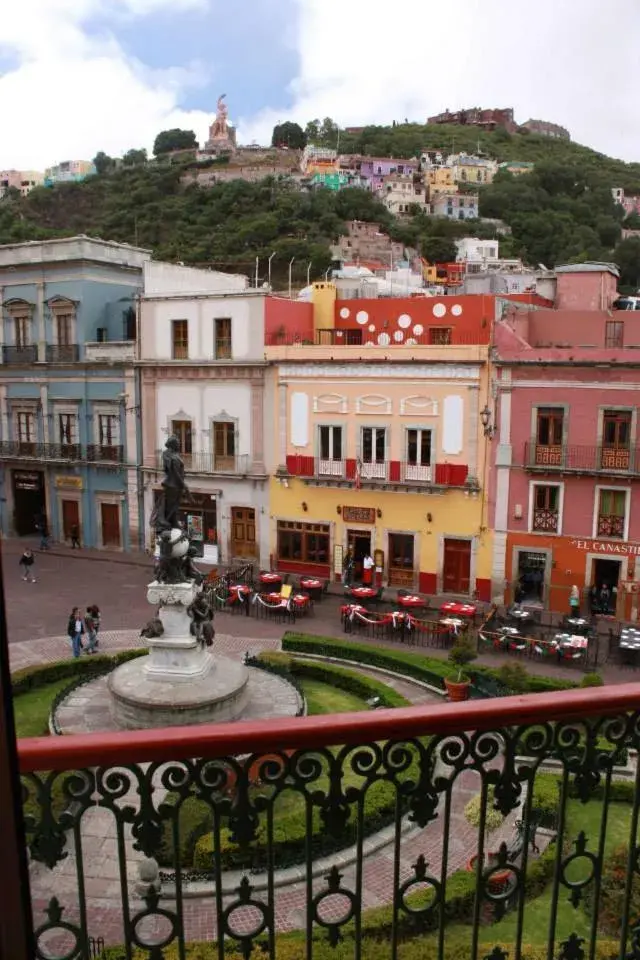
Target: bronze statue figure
164	516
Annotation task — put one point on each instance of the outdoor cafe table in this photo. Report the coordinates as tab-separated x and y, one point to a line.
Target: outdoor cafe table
313	585
629	639
239	590
458	609
271	579
411	601
453	623
577	623
571	641
520	614
363	593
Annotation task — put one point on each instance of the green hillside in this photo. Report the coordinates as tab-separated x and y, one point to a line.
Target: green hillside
562	211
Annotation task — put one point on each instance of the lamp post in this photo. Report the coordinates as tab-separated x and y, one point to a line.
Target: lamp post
309	272
271	256
290	269
257	268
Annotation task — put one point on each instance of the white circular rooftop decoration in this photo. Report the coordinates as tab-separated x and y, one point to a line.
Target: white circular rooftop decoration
418	329
398	336
371	328
456	309
384	339
404	321
411	342
362	316
344	312
439	310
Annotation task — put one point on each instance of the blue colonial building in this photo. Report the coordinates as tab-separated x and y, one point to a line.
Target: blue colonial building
69	396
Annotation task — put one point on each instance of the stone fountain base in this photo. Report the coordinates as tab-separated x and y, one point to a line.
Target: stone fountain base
180	682
141	700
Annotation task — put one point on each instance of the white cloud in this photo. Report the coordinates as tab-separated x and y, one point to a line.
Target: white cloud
74	93
572	63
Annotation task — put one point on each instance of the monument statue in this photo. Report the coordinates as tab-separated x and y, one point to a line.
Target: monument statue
222	136
175	564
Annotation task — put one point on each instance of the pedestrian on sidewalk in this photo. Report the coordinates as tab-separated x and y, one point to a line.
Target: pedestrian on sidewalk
92	626
75	629
75	536
574	601
26	562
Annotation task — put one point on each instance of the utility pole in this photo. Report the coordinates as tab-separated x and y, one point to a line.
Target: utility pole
257	269
290	270
309	272
271	256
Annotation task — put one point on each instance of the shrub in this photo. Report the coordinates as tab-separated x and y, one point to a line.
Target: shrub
29	678
336	676
613	893
460	655
592	680
493	818
514	677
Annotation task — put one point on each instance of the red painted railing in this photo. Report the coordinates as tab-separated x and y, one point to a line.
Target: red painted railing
226	739
386	471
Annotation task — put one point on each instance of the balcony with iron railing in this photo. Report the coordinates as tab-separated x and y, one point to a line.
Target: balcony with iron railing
204	462
105	453
62	353
545	520
20	356
610	526
581	459
31	450
350	471
496	828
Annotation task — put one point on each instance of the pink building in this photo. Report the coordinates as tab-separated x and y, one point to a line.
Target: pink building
566	450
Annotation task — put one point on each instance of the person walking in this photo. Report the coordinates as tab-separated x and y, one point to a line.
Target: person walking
26	562
94	610
75	629
347	566
75	536
90	631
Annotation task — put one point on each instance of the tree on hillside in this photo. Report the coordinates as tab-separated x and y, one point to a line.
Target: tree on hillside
103	162
328	132
289	134
631	222
176	139
627	256
438	249
312	131
134	158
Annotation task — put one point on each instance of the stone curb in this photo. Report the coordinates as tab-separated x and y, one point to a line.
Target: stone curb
365	666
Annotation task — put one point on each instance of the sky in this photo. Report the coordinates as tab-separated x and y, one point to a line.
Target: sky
79	76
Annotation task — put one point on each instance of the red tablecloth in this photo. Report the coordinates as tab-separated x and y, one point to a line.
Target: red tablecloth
270	578
311	584
301	599
239	588
349	608
273	596
363	593
460	609
410	601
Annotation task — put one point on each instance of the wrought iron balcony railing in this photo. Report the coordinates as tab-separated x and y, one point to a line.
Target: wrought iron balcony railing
62	353
20	449
545	521
500	827
105	453
581	459
211	463
14	356
610	526
383	471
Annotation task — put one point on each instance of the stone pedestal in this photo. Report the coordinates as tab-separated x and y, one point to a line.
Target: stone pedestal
180	682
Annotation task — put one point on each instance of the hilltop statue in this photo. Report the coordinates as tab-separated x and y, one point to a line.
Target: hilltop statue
222	136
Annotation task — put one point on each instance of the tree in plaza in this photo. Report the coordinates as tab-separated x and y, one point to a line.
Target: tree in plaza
289	134
176	139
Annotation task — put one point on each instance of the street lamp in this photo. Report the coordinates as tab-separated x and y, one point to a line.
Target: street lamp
271	256
309	272
485	420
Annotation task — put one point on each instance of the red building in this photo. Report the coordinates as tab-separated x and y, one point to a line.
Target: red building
563	495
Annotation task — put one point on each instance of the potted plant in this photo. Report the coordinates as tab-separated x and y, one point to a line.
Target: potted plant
460	655
493	820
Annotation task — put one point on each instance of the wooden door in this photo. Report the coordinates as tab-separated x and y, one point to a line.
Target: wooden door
110	524
456	569
243	532
70	518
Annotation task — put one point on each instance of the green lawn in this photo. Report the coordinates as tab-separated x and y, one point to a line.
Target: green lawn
322	698
31	709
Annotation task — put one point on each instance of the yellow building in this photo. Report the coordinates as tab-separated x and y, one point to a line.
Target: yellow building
469	169
382	450
439	180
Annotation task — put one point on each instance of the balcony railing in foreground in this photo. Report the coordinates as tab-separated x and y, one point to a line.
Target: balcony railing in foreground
501	828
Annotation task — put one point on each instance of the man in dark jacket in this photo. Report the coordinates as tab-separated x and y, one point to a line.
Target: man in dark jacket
26	562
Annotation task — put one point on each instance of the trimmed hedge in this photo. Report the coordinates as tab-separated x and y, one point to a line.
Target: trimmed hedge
427	669
30	678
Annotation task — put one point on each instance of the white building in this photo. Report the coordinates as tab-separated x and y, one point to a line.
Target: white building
203	380
476	250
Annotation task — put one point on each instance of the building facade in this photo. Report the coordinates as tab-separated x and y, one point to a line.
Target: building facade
547	129
69	171
567	467
469	169
203	377
22	180
69	399
384	454
455	206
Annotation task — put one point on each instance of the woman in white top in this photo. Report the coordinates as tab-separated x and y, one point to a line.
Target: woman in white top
367	570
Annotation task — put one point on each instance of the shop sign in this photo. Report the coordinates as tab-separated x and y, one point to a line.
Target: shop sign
26	481
74	483
606	546
359	514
